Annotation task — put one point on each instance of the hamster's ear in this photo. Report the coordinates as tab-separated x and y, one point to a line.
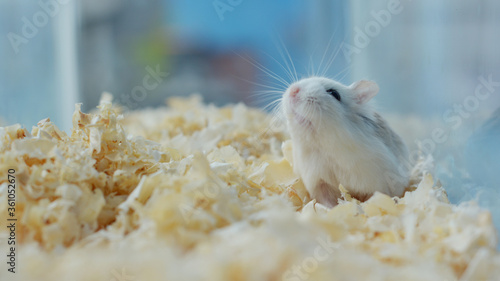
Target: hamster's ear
364	90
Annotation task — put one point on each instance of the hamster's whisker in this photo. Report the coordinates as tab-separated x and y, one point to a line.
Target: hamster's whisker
275	106
343	76
311	71
331	60
310	67
265	70
277	111
333	56
326	51
277	91
287	71
287	60
267	100
308	111
272	105
346	70
278	86
267	93
267	103
277	117
308	114
262	85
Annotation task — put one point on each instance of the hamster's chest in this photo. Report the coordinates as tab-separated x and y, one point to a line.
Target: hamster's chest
330	160
331	151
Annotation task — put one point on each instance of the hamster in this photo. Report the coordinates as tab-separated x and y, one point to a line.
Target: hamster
337	138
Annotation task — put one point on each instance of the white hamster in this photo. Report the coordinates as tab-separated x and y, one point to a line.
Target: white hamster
338	138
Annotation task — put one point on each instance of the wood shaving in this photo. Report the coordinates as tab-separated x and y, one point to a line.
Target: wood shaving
196	192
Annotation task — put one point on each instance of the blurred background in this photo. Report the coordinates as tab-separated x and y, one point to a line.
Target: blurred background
437	64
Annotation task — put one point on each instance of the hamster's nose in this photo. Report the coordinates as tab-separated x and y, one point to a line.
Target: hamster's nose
294	90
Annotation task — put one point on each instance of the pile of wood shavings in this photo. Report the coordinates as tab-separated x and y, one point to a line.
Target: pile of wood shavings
196	192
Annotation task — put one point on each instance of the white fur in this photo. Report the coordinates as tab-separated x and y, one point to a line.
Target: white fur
335	143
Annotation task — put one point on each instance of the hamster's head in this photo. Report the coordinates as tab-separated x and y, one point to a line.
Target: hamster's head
311	103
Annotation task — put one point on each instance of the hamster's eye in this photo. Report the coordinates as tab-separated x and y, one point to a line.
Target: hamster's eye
334	93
